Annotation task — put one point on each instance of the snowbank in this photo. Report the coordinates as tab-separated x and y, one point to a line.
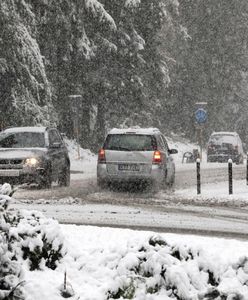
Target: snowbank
183	145
104	263
83	161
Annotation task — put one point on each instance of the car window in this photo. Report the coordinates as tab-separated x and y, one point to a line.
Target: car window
223	138
165	142
22	140
54	137
130	142
161	145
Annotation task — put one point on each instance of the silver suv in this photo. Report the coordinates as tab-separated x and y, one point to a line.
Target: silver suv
133	155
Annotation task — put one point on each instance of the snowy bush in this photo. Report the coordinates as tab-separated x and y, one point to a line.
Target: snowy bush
38	239
10	270
25	236
164	271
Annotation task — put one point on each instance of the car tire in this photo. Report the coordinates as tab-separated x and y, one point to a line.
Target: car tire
165	183
171	183
46	179
102	184
65	177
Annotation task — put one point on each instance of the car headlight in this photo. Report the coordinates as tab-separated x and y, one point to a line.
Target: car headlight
31	162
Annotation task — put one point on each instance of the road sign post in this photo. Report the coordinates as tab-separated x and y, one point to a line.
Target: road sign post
198	176
200	119
230	177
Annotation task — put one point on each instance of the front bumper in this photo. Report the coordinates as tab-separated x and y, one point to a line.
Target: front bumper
156	175
20	176
222	157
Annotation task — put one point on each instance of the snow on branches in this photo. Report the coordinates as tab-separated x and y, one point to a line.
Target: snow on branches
98	11
132	3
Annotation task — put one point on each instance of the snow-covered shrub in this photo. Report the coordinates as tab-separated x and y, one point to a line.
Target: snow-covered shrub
166	271
10	269
36	239
28	236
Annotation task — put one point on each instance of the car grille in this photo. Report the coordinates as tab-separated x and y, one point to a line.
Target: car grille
11	163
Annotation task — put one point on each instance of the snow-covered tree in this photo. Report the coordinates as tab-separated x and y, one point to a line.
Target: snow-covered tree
214	64
25	91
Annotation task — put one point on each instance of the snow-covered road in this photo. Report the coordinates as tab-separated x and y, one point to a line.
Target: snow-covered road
212	213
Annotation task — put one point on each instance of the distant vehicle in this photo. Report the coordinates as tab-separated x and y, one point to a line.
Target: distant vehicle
136	155
34	155
223	146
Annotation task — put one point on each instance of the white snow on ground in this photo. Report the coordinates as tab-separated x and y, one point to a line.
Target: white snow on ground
100	261
83	161
218	190
182	145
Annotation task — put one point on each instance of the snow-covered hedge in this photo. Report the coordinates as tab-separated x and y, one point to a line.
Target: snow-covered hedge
27	238
177	272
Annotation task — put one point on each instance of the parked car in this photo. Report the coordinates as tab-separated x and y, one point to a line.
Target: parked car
34	155
135	155
223	146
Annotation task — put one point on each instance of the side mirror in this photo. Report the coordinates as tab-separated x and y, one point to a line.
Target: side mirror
173	151
55	145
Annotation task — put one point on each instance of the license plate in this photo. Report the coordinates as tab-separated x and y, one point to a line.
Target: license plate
9	173
128	167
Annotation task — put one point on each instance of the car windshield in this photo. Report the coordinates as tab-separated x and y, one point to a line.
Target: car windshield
130	142
22	140
223	138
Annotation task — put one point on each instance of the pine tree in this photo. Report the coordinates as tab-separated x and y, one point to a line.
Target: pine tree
25	91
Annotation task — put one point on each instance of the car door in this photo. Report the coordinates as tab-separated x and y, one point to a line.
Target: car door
56	151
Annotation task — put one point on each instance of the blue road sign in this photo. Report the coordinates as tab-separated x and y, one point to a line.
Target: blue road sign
201	116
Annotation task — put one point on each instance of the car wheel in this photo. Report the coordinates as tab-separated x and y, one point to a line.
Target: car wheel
101	183
46	179
65	177
169	184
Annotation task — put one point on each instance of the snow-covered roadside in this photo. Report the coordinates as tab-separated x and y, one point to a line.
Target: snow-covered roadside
104	263
83	161
183	145
217	191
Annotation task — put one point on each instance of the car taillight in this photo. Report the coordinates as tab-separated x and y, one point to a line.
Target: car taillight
101	156
157	158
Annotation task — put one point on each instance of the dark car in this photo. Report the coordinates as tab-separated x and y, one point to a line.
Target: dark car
223	146
34	155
